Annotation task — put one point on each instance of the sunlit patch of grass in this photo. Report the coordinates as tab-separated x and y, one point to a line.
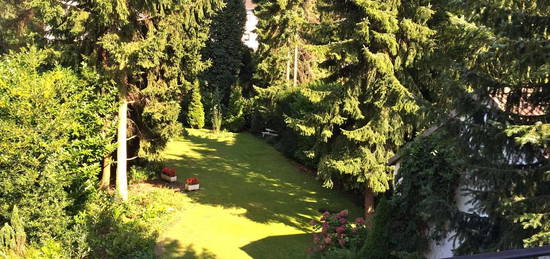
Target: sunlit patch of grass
252	201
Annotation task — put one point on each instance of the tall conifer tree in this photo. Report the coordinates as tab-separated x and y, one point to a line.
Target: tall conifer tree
365	108
150	50
287	43
496	63
225	50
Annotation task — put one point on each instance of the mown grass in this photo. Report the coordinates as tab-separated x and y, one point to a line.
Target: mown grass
253	203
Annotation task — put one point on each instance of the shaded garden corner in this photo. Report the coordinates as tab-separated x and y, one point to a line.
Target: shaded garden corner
252	200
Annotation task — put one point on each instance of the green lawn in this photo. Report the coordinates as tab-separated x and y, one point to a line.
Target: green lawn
253	203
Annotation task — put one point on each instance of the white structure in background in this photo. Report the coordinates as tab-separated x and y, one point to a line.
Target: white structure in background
445	247
462	198
250	38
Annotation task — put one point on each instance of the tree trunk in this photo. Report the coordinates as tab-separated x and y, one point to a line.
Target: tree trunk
295	65
369	205
121	179
106	172
288	68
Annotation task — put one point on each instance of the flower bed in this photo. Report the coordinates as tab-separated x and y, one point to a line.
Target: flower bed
336	232
168	174
192	184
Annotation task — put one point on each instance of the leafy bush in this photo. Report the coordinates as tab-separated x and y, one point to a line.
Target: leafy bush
121	230
339	238
423	204
216	119
235	120
378	243
139	174
54	125
12	236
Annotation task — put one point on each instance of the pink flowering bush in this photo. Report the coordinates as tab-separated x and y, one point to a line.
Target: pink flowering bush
337	232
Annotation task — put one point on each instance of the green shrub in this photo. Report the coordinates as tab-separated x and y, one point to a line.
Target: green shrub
216	119
378	242
139	174
13	238
424	196
235	119
121	230
53	139
195	111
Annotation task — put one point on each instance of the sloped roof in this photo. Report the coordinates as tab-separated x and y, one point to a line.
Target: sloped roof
500	100
523	106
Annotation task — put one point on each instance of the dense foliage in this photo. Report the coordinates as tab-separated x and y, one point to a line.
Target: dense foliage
387	71
225	50
195	110
51	150
345	84
424	201
496	66
57	106
364	104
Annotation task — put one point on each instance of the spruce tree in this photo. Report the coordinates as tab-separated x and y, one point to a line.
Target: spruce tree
195	111
496	76
366	106
288	44
235	119
225	50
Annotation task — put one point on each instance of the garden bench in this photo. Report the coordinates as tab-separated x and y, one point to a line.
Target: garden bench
269	132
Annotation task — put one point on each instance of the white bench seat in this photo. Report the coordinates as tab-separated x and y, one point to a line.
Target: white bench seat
268	133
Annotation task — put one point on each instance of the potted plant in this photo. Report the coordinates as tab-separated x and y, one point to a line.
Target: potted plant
168	174
192	184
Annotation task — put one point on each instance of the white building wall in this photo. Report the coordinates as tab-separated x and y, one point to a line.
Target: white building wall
446	246
250	38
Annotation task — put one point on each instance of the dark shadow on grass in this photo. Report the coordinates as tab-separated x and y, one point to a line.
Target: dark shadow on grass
178	186
174	249
278	246
250	174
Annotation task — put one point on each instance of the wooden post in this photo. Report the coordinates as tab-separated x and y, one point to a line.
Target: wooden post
295	64
105	172
288	67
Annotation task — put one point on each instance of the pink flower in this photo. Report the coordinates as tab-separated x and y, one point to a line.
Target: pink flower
316	238
343	221
328	240
313	222
326	214
360	221
354	230
340	229
343	213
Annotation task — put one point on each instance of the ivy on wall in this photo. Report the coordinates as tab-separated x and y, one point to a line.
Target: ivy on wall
423	203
